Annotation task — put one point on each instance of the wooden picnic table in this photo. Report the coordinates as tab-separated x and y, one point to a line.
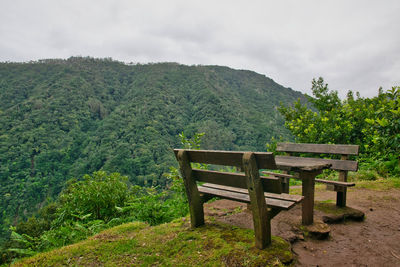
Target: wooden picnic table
307	169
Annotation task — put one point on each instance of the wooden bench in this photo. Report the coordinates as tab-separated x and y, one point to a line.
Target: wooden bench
264	194
344	165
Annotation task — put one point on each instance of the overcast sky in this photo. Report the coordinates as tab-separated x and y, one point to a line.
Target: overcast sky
353	45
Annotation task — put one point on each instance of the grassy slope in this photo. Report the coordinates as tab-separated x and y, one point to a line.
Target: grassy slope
171	244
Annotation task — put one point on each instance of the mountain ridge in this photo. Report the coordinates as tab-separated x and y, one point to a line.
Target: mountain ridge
64	118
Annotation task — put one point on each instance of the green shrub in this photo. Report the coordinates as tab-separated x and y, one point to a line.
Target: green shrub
96	197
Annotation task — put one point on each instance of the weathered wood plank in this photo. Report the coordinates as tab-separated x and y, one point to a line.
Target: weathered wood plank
318	148
234	179
237	196
221	178
346	184
303	163
283	175
265	160
244	198
194	199
283	196
261	220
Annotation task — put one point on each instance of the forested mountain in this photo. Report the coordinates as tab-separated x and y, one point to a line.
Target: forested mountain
65	118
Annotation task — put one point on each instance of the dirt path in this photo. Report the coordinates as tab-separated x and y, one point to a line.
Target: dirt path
372	242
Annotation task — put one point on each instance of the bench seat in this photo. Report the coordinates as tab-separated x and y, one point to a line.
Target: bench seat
280	201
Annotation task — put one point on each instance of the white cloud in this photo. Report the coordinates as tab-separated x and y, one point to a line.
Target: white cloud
352	44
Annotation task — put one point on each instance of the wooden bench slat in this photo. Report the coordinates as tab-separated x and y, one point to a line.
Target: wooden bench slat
221	178
283	175
281	196
265	160
347	184
234	179
276	203
340	165
318	148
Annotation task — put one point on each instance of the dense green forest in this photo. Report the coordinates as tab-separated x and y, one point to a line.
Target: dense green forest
65	118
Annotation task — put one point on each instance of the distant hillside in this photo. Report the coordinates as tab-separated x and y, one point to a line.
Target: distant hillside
64	118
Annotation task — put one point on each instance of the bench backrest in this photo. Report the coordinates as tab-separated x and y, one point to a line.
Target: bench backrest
264	160
340	165
318	148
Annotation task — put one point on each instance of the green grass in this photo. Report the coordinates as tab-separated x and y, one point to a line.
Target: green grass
170	244
380	185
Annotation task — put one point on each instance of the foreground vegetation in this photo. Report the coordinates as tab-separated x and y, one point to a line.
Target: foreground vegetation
88	206
171	244
96	202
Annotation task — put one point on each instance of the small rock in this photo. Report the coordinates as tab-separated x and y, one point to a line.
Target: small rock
332	218
319	230
355	215
342	214
301	237
294	238
371	209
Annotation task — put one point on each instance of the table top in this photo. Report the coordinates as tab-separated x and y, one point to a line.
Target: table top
289	163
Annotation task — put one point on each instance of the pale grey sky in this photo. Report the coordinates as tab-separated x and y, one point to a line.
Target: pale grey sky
354	45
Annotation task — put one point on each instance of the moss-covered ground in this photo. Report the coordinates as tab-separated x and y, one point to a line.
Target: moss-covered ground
170	244
331	208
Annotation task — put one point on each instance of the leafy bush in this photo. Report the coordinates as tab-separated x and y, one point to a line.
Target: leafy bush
371	123
97	196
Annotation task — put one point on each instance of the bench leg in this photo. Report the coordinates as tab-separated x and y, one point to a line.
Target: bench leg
194	198
285	185
261	219
308	187
341	195
341	198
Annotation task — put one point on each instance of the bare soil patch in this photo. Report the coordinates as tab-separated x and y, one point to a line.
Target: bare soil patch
372	242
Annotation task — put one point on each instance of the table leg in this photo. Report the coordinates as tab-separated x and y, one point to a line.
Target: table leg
308	186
